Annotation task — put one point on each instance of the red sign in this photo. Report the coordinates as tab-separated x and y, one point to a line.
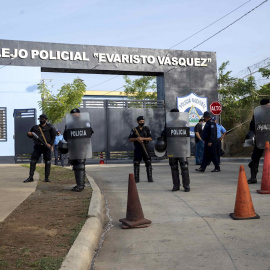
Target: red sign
216	108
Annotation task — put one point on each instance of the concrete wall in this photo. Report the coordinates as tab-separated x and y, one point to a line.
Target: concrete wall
18	90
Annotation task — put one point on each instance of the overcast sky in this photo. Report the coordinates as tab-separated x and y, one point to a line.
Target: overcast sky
153	24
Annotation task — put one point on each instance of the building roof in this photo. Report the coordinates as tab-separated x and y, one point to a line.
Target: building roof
104	93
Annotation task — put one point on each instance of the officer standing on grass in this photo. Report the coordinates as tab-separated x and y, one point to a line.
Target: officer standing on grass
141	136
43	136
78	134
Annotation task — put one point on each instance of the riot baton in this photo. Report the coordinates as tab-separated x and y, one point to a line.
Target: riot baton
36	136
142	143
237	126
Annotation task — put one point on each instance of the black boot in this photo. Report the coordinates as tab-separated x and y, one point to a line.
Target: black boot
185	174
80	177
253	172
47	170
149	173
31	172
74	167
175	177
80	180
137	171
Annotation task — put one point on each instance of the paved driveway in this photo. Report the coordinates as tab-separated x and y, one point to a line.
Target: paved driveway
189	230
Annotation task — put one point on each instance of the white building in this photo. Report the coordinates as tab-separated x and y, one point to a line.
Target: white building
18	90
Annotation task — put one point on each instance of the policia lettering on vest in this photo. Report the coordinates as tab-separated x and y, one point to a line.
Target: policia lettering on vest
141	136
78	134
176	134
259	126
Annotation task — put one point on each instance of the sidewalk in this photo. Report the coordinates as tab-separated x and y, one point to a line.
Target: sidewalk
189	230
13	191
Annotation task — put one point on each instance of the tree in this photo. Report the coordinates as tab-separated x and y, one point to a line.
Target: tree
237	96
57	106
137	89
265	71
265	89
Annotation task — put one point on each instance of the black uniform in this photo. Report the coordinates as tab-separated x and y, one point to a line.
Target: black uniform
210	152
141	151
255	157
257	152
174	164
49	133
78	165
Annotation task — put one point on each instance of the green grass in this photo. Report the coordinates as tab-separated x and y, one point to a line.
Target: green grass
19	263
3	265
52	263
48	263
73	235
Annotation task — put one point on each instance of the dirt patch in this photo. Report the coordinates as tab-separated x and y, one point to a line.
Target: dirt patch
39	233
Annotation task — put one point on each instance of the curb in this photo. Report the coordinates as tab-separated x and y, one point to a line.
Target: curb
82	252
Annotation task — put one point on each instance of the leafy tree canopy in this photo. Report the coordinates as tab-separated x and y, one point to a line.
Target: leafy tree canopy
265	71
239	96
57	106
137	89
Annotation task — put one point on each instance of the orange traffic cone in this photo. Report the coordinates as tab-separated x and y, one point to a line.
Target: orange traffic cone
265	184
243	204
101	161
134	217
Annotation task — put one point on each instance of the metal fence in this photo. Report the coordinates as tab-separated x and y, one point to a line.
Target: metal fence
112	121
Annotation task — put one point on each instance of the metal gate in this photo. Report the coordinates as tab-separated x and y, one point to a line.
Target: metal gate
112	121
23	120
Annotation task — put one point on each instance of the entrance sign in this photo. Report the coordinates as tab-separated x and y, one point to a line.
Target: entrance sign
216	108
195	106
33	54
177	71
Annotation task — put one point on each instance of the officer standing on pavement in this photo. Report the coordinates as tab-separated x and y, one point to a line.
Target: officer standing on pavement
177	136
141	136
261	115
209	137
221	132
78	134
199	142
43	136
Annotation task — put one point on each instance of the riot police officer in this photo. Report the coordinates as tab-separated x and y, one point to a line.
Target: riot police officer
78	134
141	136
177	136
210	144
261	115
43	136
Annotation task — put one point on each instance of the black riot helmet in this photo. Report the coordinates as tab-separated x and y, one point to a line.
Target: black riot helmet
75	111
63	147
264	101
160	147
173	114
